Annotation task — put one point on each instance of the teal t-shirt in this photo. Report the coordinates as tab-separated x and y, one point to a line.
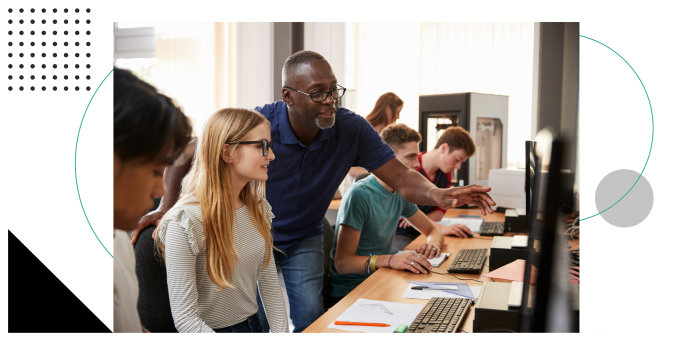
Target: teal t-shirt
371	209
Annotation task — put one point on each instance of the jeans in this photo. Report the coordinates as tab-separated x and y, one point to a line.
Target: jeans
302	270
250	325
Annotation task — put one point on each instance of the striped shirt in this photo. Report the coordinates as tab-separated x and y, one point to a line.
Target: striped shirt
196	303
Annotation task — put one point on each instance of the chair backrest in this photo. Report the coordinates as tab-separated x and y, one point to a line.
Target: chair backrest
328	234
362	176
154	302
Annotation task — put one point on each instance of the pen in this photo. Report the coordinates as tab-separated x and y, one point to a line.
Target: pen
469	216
348	323
428	288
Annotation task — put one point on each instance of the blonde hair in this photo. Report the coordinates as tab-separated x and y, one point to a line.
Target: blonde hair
208	184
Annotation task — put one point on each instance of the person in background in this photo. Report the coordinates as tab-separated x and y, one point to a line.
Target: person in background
217	240
386	112
149	134
453	148
317	142
367	221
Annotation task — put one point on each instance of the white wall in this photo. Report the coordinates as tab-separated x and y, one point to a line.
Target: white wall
328	39
253	64
536	80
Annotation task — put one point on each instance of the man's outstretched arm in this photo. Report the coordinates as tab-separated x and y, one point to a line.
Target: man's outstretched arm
415	188
173	184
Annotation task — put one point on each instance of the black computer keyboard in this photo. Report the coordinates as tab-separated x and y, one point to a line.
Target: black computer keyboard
468	261
440	315
492	228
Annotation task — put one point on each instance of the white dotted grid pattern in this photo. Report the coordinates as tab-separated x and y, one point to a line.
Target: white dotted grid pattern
48	49
596	322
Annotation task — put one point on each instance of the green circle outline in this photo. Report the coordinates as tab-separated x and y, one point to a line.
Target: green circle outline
652	126
75	162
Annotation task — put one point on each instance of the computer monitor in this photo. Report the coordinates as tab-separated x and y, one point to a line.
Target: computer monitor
530	161
547	299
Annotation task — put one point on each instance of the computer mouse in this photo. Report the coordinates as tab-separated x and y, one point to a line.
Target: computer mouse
469	235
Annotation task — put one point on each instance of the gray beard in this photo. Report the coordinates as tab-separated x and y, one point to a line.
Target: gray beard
326	126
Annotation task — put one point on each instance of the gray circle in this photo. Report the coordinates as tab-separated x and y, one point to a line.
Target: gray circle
632	209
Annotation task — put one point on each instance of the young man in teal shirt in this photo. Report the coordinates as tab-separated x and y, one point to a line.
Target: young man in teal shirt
367	221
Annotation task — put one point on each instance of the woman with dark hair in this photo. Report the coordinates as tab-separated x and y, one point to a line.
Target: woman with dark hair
386	112
150	132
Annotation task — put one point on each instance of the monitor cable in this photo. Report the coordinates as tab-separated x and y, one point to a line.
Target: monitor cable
462	279
573	230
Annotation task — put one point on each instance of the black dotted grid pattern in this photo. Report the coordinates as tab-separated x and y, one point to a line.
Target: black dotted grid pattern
593	284
48	49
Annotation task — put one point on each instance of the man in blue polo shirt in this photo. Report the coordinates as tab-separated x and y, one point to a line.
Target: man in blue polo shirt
315	144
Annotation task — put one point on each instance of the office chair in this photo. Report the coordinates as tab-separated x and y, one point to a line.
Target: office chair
328	234
361	176
154	303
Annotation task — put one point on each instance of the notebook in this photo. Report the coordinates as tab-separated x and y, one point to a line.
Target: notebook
436	261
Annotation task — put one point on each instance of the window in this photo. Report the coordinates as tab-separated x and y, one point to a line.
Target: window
413	59
141	67
122	25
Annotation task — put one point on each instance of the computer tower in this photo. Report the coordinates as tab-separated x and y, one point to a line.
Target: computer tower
485	116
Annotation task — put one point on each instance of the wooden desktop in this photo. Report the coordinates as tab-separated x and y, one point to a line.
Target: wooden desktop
389	285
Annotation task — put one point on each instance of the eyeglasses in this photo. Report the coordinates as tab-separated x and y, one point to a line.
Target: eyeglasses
320	96
266	145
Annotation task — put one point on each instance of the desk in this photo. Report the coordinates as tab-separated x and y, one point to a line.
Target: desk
389	285
335	204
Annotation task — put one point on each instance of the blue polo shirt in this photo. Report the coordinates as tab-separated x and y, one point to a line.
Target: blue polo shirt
302	180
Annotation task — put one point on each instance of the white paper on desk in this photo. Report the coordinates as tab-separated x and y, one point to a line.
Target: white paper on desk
402	314
435	262
427	294
474	224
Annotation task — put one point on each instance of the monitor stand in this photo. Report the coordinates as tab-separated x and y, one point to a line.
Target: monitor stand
492	313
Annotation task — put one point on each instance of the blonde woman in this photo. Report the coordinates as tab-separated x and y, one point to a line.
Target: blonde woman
216	240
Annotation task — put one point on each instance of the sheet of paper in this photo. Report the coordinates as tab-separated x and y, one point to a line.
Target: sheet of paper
427	294
514	271
445	287
436	261
474	224
402	314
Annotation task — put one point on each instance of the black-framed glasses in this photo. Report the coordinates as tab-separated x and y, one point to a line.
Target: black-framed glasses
266	145
320	96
